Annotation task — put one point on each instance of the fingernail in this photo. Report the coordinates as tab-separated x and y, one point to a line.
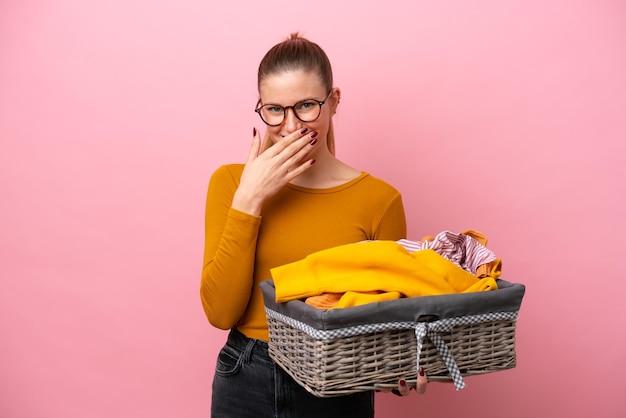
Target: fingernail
312	162
422	371
313	134
253	131
313	141
304	130
402	382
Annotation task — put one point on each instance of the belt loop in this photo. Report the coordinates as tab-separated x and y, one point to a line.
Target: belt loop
247	353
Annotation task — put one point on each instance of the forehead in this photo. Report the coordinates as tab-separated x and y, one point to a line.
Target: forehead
288	87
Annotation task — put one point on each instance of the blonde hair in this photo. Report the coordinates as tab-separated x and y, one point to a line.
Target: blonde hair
298	53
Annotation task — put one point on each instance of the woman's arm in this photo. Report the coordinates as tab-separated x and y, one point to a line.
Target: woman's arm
229	252
233	208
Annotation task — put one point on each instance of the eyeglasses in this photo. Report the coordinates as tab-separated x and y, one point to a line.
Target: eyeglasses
305	110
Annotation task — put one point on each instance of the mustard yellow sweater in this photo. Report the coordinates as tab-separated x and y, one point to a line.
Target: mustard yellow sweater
372	266
240	249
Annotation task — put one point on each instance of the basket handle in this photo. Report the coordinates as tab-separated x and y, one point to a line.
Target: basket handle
431	329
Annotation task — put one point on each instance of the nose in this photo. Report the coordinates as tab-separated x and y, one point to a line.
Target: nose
291	122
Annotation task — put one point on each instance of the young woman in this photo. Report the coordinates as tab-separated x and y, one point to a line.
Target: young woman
291	198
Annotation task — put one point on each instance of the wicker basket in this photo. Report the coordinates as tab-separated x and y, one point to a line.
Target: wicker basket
368	347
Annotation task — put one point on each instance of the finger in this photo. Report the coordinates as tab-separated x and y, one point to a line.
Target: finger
403	387
255	148
292	143
299	150
263	142
422	381
283	143
299	169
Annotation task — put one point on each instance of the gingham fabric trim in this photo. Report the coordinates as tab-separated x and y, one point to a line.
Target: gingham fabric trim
422	329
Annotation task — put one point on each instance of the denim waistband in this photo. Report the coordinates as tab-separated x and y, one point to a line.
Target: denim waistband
248	345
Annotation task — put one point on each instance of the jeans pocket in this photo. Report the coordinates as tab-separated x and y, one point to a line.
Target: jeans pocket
229	361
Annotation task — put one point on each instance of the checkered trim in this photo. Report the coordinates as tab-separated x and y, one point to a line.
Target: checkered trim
422	329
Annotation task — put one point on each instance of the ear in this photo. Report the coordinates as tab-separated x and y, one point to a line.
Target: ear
336	98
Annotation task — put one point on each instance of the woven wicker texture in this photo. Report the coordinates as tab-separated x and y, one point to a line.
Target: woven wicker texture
377	360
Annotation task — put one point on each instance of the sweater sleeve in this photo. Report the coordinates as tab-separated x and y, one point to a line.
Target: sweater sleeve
392	223
229	252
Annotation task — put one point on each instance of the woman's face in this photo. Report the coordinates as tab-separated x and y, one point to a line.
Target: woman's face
290	87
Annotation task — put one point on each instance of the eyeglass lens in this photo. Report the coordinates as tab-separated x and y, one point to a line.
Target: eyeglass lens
306	111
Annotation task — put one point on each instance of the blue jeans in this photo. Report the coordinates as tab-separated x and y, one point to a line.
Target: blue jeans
247	383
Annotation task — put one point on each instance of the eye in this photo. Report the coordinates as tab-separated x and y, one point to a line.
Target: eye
273	109
307	105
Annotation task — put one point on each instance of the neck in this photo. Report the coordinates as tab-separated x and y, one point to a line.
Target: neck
327	172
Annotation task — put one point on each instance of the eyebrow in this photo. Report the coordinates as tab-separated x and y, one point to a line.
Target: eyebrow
277	104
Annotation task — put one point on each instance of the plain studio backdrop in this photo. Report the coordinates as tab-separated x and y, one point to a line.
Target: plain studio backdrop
507	117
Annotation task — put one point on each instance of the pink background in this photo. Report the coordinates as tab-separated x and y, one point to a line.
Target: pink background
505	117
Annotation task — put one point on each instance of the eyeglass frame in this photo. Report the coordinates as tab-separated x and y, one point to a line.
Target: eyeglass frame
292	107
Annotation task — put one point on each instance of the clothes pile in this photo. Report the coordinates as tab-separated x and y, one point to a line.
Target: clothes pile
380	270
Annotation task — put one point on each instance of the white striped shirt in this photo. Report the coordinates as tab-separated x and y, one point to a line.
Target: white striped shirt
463	250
